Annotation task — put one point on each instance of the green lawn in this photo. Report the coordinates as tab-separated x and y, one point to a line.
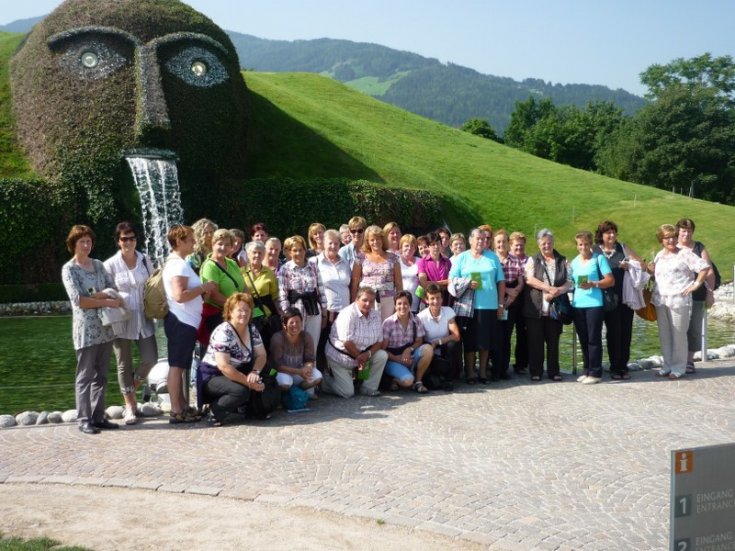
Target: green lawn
480	180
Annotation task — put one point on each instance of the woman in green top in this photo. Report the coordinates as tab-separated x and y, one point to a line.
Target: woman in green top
262	283
223	271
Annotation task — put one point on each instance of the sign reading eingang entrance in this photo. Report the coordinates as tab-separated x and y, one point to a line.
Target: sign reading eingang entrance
703	499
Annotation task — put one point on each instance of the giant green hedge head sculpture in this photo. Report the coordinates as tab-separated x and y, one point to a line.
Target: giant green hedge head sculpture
101	79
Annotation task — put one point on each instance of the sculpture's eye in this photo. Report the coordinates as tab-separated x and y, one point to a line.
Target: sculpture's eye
90	60
93	57
197	66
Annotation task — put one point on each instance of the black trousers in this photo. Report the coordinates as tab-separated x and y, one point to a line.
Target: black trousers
225	396
501	356
521	351
619	327
543	335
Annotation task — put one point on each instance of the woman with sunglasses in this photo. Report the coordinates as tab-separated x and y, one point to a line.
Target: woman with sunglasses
130	269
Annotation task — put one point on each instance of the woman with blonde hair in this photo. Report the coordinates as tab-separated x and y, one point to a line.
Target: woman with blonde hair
393	234
203	231
300	287
410	269
315	235
379	270
678	273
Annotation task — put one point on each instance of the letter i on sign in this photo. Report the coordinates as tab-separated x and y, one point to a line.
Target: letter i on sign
684	462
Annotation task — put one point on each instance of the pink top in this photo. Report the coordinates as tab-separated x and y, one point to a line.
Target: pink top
378	275
435	270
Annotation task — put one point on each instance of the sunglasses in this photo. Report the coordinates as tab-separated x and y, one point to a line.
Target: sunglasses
358	231
128	239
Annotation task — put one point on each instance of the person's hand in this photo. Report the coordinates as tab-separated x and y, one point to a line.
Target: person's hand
253	377
586	285
209	286
307	371
548	297
117	302
406	358
474	284
361	359
693	287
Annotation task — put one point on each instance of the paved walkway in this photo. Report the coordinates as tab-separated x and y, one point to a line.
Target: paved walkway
514	465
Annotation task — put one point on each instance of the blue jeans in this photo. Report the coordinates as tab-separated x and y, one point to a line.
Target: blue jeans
400	371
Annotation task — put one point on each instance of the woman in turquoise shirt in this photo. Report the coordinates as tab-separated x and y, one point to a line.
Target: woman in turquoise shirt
590	273
478	271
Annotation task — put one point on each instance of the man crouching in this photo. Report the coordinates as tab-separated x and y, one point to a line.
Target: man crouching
355	351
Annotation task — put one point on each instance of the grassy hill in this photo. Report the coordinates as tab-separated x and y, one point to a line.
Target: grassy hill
480	180
304	125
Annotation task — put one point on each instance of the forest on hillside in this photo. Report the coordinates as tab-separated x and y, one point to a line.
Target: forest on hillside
447	93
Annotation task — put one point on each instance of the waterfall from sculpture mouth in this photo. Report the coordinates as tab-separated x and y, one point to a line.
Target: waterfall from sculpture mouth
157	182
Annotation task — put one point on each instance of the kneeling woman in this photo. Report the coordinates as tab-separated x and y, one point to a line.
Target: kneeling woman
404	334
293	354
235	356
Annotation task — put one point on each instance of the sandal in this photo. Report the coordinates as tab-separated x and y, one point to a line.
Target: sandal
617	377
536	378
557	378
691	368
419	387
182	417
625	376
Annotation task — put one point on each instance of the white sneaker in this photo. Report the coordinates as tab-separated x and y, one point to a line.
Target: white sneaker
129	417
590	380
581	378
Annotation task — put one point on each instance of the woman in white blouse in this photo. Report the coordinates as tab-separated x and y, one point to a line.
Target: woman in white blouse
410	269
678	273
130	269
335	274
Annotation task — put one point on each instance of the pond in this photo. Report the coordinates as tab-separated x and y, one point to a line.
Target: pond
37	361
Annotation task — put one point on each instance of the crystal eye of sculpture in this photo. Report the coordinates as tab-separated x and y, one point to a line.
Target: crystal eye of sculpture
199	68
90	60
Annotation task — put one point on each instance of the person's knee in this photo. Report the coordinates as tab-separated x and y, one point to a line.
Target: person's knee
406	382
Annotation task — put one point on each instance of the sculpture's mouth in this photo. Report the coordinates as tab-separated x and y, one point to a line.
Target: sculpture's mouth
151	153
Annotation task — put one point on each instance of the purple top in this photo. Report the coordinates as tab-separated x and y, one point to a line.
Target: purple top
435	271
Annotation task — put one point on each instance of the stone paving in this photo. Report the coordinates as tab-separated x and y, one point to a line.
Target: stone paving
514	465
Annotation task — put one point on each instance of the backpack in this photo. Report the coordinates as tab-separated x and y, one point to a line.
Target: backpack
698	248
155	305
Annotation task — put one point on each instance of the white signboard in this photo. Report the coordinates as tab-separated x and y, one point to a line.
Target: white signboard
703	499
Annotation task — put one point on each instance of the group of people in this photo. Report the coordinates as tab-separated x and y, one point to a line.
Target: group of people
366	308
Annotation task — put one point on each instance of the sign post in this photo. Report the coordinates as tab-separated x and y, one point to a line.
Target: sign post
703	499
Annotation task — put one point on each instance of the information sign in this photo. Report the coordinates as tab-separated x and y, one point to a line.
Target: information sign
703	499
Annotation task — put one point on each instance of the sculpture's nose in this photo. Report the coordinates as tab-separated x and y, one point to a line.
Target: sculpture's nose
151	116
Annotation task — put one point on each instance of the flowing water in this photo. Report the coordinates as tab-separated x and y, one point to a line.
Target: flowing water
157	182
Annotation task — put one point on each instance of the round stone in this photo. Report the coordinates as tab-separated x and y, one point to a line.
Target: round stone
26	418
7	421
69	416
42	418
55	417
114	412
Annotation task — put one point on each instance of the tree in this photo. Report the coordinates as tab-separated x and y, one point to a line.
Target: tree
703	71
567	134
482	128
685	138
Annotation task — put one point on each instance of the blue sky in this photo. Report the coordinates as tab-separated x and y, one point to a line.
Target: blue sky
564	41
